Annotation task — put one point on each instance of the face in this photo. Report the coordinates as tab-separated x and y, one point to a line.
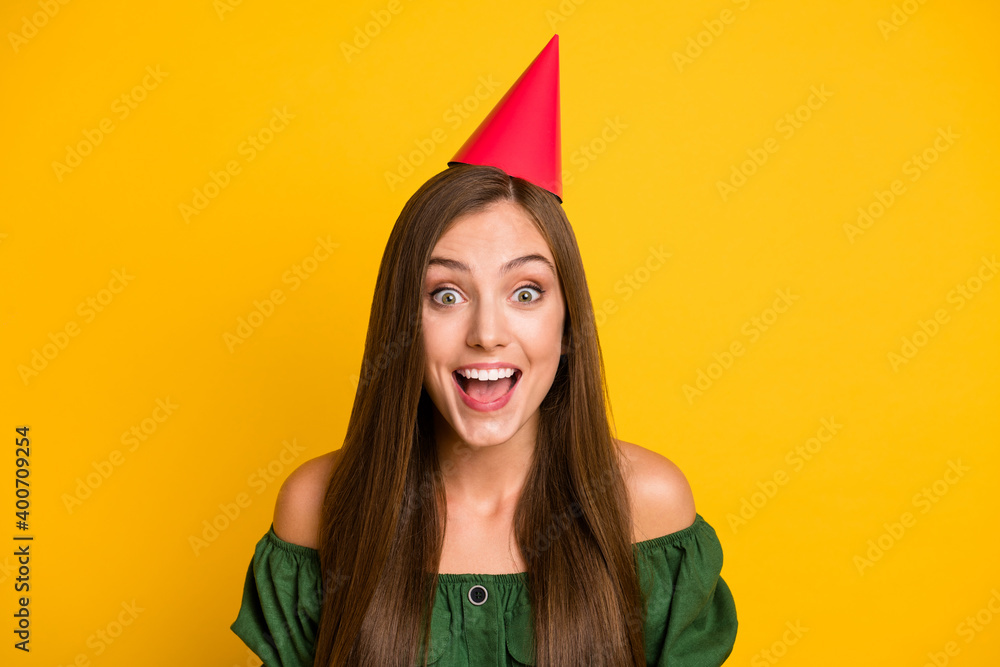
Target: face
491	299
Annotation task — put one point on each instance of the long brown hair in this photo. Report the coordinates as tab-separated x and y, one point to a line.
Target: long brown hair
383	515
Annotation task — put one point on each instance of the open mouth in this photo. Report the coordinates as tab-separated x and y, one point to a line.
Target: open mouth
486	391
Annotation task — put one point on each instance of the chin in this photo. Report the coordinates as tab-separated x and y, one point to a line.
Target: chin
478	430
495	431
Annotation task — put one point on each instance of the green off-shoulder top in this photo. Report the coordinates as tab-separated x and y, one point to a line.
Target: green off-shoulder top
484	620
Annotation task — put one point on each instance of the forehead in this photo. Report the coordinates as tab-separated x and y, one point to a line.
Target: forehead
492	236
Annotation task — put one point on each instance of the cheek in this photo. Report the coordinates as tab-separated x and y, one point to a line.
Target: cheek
547	329
437	329
542	343
439	340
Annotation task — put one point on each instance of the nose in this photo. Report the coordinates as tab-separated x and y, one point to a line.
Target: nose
488	328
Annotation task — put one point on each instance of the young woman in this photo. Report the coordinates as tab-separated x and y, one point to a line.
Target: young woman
480	510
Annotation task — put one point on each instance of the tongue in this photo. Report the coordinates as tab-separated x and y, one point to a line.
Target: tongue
486	391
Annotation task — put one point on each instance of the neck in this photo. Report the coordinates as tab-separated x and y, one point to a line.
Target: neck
485	479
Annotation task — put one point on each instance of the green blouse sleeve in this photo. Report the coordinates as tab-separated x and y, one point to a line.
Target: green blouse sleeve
691	615
279	616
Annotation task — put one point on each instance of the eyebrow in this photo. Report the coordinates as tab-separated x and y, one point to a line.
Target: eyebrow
456	265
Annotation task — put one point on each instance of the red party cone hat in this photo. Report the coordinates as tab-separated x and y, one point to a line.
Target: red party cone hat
521	135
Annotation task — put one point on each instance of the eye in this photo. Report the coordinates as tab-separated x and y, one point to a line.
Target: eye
452	298
523	289
446	300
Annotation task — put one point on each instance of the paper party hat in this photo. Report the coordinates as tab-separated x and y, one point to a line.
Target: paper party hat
521	135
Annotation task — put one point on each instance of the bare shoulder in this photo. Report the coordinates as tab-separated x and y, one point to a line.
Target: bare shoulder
661	496
298	508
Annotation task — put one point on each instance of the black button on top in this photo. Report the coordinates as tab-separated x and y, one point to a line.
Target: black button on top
477	595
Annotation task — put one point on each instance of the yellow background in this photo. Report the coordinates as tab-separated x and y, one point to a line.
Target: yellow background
661	132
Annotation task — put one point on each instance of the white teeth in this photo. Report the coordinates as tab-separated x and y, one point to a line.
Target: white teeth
490	374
